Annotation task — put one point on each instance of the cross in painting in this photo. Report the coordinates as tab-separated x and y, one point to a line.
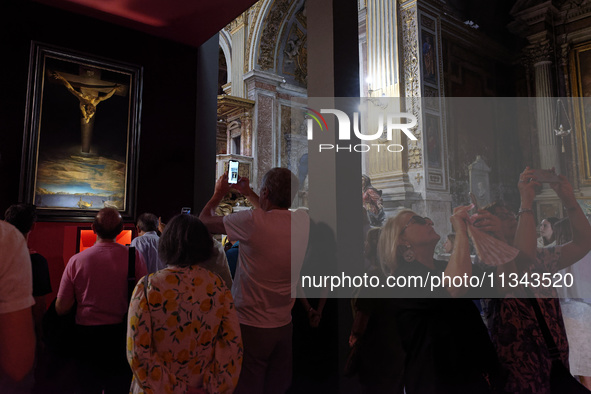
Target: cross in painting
90	90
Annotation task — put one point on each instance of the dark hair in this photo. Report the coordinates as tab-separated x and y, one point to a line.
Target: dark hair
562	231
282	186
492	207
185	241
22	216
552	220
451	237
108	223
147	222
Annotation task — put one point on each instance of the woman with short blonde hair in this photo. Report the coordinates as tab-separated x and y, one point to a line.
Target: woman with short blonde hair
446	345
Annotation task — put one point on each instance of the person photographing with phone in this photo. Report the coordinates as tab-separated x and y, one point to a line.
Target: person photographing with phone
233	166
273	242
524	353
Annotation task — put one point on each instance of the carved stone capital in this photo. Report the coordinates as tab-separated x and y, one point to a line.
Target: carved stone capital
539	53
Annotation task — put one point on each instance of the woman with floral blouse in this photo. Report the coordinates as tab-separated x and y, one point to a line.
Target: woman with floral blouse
183	334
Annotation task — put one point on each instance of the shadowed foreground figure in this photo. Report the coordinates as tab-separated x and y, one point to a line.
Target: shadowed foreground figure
96	279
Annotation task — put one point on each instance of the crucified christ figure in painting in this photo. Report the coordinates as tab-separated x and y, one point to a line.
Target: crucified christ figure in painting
90	92
88	97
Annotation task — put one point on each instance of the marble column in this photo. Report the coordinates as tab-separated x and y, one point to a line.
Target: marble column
382	65
238	43
246	120
540	54
421	86
387	170
261	86
545	103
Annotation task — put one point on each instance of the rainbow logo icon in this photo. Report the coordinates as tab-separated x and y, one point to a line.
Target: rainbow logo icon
315	115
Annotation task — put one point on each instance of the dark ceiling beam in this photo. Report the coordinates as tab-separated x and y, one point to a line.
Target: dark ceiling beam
188	22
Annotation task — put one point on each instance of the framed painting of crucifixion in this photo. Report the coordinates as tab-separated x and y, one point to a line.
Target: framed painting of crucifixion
80	149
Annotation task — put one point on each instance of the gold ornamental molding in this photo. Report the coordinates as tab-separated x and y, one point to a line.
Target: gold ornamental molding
230	106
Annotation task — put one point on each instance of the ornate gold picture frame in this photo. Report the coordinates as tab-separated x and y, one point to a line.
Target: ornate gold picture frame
81	141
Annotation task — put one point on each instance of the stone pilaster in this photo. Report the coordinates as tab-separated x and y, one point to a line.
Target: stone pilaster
237	31
540	54
382	54
424	166
261	87
387	170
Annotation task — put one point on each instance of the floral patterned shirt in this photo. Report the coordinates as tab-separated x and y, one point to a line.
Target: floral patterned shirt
187	335
516	333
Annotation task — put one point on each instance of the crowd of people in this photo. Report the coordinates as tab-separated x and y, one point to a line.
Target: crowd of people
447	347
179	312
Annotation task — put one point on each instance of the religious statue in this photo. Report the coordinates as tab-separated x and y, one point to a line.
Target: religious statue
372	202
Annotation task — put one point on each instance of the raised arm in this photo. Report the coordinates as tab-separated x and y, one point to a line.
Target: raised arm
459	261
108	95
243	186
525	235
65	82
213	222
581	243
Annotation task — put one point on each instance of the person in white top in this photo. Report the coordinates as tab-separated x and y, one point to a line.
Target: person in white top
17	336
273	243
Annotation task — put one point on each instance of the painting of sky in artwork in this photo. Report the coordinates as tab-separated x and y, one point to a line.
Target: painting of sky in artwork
78	180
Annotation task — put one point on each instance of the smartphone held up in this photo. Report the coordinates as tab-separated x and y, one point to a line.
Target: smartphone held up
546	176
233	171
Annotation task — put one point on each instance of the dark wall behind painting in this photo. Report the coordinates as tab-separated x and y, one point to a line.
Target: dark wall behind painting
167	134
168	115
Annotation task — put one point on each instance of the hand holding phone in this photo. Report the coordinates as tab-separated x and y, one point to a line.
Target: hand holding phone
546	176
474	201
233	171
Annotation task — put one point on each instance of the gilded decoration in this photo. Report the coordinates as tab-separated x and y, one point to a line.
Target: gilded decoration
411	54
236	113
296	55
236	23
414	157
273	23
411	80
253	14
418	178
580	80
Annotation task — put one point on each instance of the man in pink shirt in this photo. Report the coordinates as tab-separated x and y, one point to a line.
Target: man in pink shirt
96	279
